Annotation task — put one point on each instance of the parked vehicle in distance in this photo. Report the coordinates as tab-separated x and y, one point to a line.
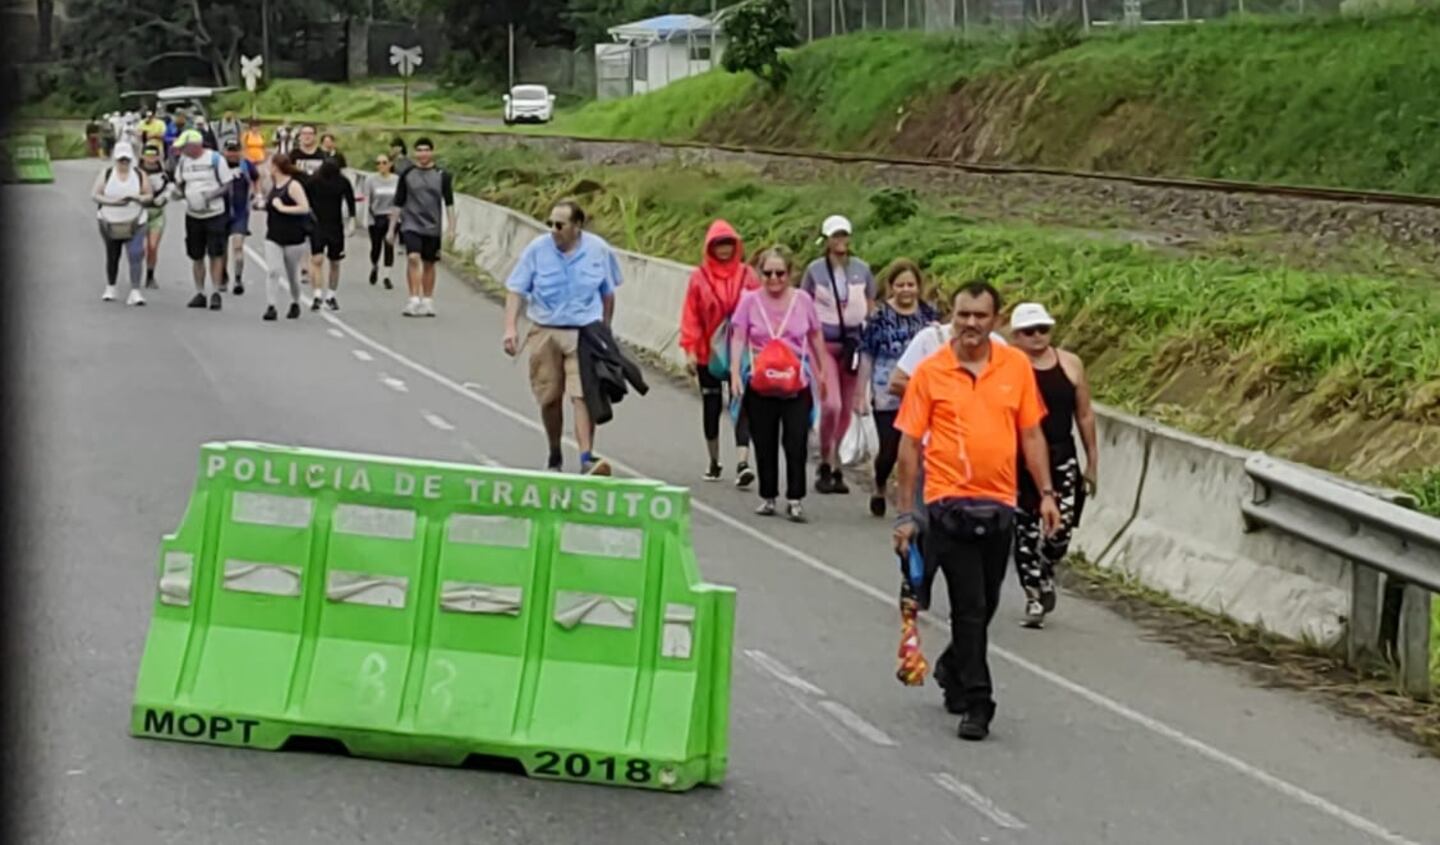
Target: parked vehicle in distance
529	104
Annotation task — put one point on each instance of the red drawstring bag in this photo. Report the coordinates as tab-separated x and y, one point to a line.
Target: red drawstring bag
776	370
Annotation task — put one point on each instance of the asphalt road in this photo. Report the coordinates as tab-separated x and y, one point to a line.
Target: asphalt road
1102	737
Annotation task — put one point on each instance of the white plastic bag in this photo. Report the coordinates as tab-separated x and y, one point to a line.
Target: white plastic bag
861	443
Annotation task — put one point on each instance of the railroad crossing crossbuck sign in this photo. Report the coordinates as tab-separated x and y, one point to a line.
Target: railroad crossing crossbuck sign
405	58
250	69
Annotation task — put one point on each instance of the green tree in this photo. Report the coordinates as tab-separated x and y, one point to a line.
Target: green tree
755	33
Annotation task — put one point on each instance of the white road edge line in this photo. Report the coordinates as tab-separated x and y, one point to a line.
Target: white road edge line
983	805
782	673
1284	787
855	722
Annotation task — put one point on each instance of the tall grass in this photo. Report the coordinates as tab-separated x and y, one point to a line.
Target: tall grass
1349	102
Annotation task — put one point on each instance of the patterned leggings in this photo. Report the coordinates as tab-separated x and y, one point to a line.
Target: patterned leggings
1035	554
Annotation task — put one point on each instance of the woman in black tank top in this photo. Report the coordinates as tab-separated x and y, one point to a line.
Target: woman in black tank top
287	230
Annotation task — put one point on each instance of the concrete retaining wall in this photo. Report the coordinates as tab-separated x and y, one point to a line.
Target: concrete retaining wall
1167	510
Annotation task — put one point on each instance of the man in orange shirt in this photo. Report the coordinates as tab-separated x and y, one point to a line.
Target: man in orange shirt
978	402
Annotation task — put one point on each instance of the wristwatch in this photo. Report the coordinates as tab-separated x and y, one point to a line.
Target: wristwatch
1047	493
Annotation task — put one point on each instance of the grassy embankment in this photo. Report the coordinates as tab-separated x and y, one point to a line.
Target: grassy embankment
1341	102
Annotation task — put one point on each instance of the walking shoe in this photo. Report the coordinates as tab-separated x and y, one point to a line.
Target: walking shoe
973	726
388	286
837	483
877	505
374	273
767	507
294	312
215	301
744	475
239	287
823	483
109	294
713	473
412	308
427	307
556	463
197	301
1047	595
316	302
135	298
150	279
598	467
1034	614
944	680
333	303
794	512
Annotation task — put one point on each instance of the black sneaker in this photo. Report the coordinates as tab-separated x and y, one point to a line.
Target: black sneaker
270	314
877	505
316	303
1047	595
150	282
744	475
823	482
198	301
837	483
973	726
388	286
239	287
215	301
294	312
713	473
374	274
333	303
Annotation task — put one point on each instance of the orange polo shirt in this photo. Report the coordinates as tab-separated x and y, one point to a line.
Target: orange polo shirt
974	423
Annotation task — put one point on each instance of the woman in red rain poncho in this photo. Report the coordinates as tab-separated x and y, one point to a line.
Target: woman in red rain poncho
714	291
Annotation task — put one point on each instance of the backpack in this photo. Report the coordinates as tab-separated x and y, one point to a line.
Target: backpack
720	350
776	370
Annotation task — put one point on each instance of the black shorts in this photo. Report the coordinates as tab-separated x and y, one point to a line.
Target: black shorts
332	244
206	236
425	246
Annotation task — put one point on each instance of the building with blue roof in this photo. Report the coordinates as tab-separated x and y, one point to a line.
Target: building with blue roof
650	54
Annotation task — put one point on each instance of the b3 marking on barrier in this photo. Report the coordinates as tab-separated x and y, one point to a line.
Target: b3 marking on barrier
370	683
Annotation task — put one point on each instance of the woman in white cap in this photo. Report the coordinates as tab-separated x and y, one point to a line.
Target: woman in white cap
1060	375
123	194
844	291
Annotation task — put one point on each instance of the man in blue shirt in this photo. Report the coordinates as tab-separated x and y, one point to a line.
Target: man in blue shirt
565	280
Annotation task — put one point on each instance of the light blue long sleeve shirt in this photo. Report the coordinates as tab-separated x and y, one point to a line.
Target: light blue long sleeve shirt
565	290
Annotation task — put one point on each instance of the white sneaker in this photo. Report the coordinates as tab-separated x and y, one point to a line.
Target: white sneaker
135	298
412	308
109	294
427	307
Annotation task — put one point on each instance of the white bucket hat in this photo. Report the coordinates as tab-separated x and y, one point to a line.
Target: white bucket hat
1029	315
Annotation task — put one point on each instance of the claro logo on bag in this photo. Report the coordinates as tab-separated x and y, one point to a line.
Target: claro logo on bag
780	375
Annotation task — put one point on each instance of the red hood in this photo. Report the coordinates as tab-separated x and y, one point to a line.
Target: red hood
721	272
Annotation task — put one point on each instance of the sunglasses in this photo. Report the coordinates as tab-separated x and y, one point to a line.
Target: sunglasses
382	161
1033	331
774	274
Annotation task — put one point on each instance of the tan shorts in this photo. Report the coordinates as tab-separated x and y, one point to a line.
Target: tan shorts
554	363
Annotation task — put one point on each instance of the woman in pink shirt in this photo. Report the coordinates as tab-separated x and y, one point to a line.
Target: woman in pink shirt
778	312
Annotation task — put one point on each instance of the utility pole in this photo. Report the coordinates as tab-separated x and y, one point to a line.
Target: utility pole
511	87
265	30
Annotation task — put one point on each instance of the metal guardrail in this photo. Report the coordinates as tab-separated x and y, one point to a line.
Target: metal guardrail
1376	536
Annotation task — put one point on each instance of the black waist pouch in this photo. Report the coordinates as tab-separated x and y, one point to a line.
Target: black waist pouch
971	520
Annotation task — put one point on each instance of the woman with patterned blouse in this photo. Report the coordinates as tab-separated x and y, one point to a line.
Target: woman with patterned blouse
904	311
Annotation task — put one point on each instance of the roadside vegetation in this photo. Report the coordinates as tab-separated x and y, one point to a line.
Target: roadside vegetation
1340	101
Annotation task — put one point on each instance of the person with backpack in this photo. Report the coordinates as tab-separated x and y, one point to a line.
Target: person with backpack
243	188
202	178
152	166
780	330
844	292
714	291
287	232
122	192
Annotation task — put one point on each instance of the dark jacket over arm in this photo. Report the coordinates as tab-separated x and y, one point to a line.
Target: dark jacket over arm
605	371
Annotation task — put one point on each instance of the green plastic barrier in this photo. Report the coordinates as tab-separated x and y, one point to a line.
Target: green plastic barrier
440	613
27	159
